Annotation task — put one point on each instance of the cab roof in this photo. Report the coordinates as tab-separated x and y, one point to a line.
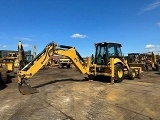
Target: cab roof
133	53
101	43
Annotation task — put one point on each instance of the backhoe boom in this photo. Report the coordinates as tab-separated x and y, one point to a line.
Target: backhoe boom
42	58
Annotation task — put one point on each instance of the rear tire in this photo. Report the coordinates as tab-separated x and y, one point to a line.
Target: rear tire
91	77
155	68
118	73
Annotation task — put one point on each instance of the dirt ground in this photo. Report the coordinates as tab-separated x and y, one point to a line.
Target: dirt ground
65	94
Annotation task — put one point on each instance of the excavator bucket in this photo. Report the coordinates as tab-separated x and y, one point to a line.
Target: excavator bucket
25	88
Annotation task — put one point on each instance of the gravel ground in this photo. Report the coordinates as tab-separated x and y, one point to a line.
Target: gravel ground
65	94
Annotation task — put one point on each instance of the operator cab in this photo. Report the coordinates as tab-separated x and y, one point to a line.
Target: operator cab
105	51
133	57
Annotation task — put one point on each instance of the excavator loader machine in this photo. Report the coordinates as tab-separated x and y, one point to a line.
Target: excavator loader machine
151	61
22	58
133	60
108	61
145	60
19	62
13	61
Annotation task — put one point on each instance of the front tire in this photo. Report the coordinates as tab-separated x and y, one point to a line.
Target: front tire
4	78
118	73
132	74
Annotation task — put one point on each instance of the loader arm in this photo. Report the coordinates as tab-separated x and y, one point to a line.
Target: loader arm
42	58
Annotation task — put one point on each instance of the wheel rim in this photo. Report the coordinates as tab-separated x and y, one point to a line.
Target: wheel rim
120	73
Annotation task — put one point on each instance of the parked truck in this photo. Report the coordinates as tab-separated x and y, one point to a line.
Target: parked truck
64	62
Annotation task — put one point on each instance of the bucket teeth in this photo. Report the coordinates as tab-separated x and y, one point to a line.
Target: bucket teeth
25	88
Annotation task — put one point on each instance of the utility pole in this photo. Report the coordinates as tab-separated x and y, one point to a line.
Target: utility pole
34	51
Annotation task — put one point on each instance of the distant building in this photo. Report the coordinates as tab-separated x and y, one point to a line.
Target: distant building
4	53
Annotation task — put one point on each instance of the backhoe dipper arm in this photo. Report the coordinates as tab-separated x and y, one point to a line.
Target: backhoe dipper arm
32	68
42	58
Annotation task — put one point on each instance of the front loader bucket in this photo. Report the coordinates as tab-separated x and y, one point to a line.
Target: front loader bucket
25	88
140	65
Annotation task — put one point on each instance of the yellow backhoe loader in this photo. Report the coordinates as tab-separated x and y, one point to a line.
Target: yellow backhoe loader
133	59
108	61
22	58
13	61
8	62
6	65
148	61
